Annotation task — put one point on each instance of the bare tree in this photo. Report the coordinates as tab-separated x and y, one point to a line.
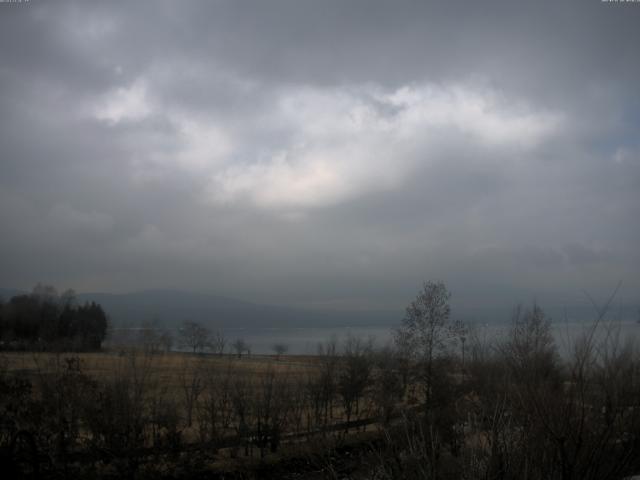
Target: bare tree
460	331
530	348
387	382
240	346
192	384
194	336
271	405
166	341
241	400
327	378
355	375
216	408
280	349
218	342
542	418
426	331
149	337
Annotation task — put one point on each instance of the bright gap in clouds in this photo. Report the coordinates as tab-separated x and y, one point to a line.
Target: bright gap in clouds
348	142
339	143
124	104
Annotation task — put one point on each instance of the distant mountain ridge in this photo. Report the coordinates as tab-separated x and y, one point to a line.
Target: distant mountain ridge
171	307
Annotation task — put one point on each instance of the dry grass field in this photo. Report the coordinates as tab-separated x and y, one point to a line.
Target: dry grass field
235	407
359	413
169	367
182	378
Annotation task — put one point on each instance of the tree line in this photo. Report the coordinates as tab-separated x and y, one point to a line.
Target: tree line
46	320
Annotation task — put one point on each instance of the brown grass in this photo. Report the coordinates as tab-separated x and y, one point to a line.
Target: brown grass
168	368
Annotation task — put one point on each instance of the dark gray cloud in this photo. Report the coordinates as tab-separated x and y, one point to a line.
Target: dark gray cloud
321	153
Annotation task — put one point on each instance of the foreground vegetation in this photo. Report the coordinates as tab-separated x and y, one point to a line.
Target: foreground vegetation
440	403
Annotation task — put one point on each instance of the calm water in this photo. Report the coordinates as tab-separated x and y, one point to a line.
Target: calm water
301	341
306	340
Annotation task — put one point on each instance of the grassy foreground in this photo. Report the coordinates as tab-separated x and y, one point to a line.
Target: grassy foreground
504	409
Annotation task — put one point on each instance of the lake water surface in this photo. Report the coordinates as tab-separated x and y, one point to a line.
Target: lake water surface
305	340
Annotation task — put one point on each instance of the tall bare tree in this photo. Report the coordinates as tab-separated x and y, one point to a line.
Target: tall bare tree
194	336
218	342
426	331
355	375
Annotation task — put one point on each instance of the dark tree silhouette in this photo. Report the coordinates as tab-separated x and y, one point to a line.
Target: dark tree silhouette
194	336
280	349
44	320
240	346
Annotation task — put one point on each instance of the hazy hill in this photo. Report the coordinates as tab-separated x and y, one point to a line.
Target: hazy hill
171	307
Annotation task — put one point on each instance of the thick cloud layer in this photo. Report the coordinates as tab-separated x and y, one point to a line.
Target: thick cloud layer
322	153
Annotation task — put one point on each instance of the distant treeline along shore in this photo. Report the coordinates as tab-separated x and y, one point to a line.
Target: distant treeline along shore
46	320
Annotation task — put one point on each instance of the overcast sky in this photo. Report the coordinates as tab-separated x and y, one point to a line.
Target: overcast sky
322	153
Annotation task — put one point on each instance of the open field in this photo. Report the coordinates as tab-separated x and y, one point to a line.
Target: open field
170	366
155	404
512	404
